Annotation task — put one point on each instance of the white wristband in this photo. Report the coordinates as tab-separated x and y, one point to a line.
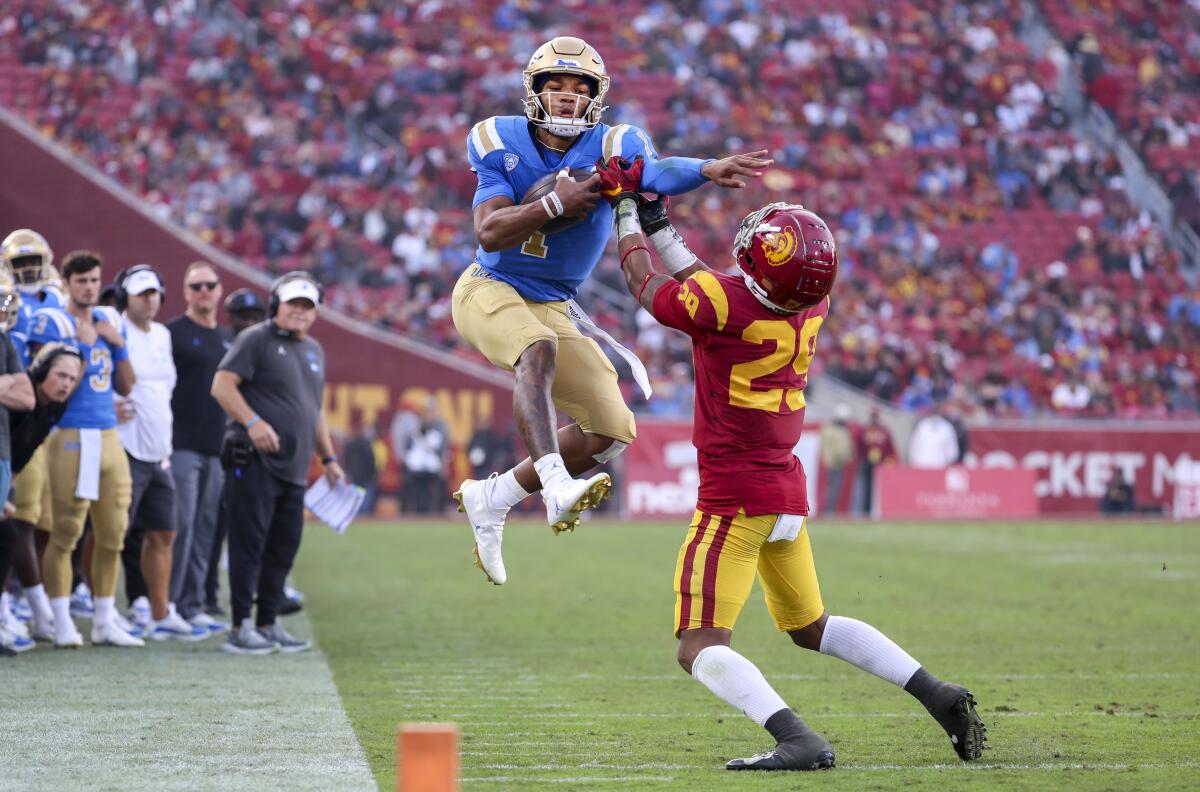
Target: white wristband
627	219
553	205
673	251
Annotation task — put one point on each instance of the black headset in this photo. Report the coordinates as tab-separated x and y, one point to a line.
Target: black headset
122	297
288	277
39	369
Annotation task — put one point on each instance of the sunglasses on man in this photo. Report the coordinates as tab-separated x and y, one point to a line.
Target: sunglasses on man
198	285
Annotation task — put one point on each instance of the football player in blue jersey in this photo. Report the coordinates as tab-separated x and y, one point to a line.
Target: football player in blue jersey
515	302
88	469
26	254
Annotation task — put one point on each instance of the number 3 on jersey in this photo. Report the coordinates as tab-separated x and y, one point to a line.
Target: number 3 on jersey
102	378
786	351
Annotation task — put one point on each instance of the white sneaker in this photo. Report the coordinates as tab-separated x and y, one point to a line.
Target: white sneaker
14	641
208	623
12	625
564	503
174	627
487	521
41	626
82	605
111	634
139	613
66	636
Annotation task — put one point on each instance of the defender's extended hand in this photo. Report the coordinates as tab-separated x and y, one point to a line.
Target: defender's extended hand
725	172
620	178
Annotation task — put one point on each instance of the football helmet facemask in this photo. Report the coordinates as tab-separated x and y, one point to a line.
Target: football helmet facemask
565	55
28	256
10	302
788	257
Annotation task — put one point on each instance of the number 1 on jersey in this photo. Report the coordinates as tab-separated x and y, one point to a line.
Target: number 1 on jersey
535	246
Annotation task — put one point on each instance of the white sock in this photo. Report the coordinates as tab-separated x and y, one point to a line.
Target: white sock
508	492
38	601
551	471
106	609
62	614
737	682
860	644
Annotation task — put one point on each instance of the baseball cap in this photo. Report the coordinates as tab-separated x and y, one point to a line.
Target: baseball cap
299	289
244	300
141	282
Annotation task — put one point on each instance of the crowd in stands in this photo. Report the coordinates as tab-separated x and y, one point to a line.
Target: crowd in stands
989	255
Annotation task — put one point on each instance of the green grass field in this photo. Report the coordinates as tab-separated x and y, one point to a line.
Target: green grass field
1081	642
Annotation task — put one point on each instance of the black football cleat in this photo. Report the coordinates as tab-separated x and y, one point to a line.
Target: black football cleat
810	752
953	707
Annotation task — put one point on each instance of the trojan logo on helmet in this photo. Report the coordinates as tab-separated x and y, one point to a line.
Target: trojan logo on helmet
787	255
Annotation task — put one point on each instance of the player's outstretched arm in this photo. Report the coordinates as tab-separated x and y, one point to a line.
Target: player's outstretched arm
620	180
675	175
681	262
500	225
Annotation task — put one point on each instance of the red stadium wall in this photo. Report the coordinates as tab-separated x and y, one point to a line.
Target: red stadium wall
1071	464
370	373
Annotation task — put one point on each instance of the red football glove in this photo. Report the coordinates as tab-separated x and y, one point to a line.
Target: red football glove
620	178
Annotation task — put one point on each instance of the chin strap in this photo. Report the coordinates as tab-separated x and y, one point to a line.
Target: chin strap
761	296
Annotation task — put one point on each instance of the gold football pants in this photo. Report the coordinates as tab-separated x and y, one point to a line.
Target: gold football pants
110	514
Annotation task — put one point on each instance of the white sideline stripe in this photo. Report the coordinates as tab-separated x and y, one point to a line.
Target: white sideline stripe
584	766
177	717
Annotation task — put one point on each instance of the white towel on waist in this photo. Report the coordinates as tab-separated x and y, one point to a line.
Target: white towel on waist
787	528
580	317
88	484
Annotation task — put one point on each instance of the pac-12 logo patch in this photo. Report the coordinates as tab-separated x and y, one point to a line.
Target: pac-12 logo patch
511	161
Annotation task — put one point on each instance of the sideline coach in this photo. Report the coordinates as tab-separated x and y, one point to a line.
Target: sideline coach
271	384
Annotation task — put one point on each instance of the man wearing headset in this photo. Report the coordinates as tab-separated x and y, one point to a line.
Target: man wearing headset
270	384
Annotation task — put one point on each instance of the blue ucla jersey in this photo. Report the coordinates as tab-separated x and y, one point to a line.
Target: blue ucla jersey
507	162
91	405
30	303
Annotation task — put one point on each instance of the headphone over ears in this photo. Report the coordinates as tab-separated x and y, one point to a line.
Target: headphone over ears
39	369
288	277
122	297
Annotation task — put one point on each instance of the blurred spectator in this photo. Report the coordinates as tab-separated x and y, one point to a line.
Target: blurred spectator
837	451
359	454
489	451
875	448
1071	395
934	442
1118	495
425	464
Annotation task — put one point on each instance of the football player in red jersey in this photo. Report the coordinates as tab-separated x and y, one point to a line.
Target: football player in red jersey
753	336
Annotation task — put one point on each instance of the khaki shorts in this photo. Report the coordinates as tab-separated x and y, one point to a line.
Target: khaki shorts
32	492
501	324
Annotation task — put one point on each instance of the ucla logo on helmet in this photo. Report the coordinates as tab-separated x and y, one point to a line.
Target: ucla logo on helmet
511	161
566	62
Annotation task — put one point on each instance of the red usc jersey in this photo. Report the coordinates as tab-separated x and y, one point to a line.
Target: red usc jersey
751	369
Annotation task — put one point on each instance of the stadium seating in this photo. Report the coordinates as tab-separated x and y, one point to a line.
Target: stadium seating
988	253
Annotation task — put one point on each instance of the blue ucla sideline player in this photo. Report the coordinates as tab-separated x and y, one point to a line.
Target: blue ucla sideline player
29	258
514	303
88	468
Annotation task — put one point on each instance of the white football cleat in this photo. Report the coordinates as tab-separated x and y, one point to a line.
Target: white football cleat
487	523
41	626
66	636
563	504
110	634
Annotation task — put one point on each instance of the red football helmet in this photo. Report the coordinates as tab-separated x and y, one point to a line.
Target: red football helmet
788	256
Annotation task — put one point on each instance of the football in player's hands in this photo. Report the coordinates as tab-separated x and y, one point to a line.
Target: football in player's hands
546	185
620	178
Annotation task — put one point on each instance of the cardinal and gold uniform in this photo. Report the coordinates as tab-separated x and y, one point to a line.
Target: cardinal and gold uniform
751	370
